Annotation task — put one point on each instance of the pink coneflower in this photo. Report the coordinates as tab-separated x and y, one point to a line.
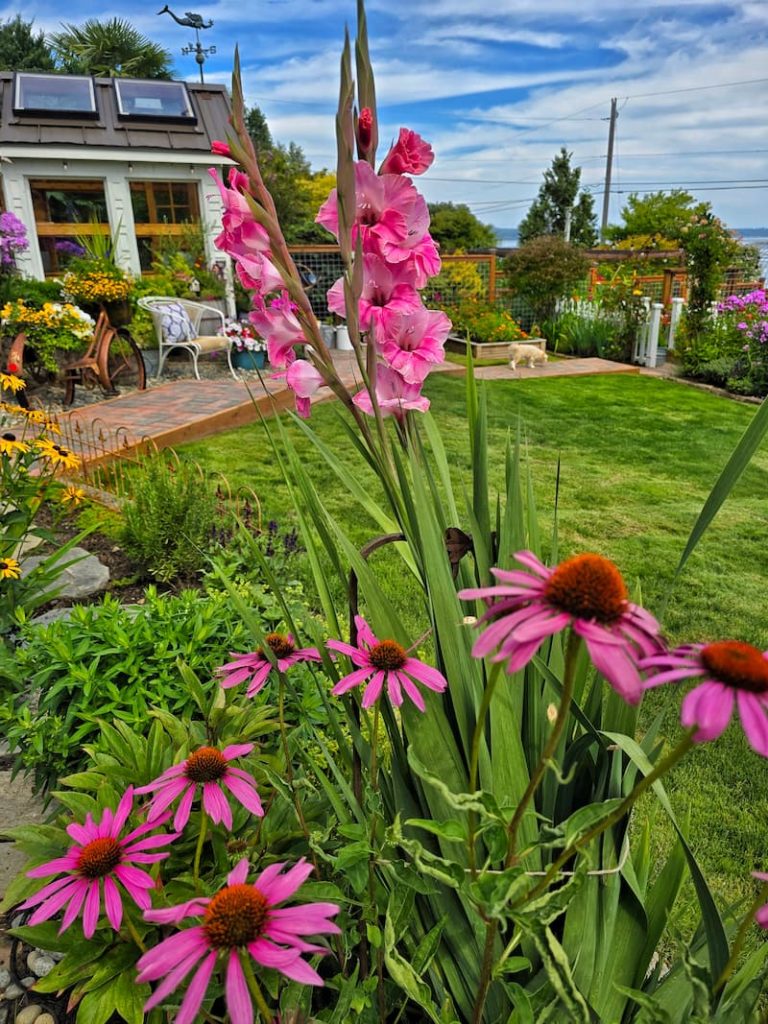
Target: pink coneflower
99	853
239	917
586	593
210	768
256	667
729	671
762	914
385	661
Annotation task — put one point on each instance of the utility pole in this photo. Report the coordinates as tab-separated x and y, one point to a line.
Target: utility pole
608	169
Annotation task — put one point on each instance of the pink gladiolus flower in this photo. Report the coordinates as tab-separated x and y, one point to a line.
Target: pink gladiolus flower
304	380
240	917
211	769
279	325
99	854
413	342
586	593
364	130
385	662
394	395
256	667
221	149
386	291
258	273
409	155
389	209
728	672
762	915
421	258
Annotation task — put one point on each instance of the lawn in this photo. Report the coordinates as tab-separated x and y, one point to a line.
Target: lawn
638	457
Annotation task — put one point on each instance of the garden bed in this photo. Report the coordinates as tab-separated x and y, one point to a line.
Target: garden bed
489	349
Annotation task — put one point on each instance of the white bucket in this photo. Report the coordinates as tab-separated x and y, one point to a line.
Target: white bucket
342	340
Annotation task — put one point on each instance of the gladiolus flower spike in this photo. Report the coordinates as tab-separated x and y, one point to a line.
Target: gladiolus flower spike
728	672
100	855
385	662
239	918
586	593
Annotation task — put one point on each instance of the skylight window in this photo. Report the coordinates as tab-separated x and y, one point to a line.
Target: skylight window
153	100
55	95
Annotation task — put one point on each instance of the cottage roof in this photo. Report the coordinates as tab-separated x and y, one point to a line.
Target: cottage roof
108	129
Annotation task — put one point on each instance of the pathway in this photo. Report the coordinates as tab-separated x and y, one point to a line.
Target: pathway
186	410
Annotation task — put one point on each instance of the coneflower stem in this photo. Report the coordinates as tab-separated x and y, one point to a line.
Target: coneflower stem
738	942
255	990
199	848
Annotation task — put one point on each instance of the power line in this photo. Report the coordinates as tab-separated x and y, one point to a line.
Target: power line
694	88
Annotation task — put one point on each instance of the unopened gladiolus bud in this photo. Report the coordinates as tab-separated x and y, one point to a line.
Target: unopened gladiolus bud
221	149
364	131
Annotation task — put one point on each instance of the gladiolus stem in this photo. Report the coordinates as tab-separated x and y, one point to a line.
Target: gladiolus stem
738	942
571	656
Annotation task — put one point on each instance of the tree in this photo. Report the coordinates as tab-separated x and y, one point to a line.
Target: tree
22	49
543	270
662	214
258	129
453	226
112	49
559	193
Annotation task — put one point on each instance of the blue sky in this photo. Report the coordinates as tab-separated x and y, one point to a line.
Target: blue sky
499	87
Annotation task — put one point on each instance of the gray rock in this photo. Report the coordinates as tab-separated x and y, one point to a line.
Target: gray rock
5	977
29	1014
28	982
40	964
56	956
46	618
84	576
13	992
4	1013
45	1018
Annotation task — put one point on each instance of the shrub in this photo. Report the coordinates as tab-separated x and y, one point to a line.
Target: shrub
169	523
481	322
543	271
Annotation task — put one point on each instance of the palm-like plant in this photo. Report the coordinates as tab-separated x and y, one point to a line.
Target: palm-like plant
112	48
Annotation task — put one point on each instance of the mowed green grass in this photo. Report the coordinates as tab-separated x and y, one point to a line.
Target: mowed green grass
638	457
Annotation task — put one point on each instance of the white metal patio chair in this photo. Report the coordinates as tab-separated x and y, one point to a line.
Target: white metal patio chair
177	323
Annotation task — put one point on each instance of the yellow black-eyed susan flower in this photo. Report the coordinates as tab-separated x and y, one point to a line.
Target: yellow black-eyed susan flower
57	453
72	496
10	446
10	382
9	569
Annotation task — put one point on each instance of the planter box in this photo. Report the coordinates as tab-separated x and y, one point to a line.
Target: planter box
489	349
247	360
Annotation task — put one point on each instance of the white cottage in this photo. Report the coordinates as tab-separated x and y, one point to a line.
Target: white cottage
82	155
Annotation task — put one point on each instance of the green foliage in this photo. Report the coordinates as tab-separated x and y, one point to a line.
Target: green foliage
479	321
664	214
459	281
23	49
586	335
35	293
456	229
171	518
110	663
544	270
558	194
112	48
709	249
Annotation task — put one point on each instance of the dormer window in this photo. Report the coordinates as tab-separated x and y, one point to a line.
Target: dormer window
54	95
153	100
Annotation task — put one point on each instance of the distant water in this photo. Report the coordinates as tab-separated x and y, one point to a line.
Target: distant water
508	239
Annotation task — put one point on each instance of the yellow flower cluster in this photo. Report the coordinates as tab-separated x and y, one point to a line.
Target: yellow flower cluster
35	416
57	453
97	286
52	316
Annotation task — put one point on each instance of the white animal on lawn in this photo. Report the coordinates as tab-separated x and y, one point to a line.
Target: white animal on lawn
531	355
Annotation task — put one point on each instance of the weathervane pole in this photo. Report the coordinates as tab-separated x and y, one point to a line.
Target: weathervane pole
197	22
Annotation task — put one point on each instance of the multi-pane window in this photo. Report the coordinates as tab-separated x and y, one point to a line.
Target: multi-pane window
66	211
57	95
161	209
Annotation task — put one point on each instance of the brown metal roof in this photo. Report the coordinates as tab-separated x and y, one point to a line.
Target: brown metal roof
209	102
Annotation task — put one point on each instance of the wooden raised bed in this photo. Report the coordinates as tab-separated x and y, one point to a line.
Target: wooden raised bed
489	349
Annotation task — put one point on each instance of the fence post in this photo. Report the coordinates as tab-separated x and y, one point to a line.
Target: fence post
492	279
653	334
677	312
641	338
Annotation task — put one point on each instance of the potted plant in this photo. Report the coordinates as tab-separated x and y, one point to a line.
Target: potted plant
96	283
248	349
53	327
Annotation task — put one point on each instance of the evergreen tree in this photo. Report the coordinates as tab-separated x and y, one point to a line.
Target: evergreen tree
559	193
258	129
22	49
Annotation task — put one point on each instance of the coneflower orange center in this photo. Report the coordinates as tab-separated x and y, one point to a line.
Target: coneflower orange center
206	765
99	857
388	656
738	665
281	646
588	587
235	916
